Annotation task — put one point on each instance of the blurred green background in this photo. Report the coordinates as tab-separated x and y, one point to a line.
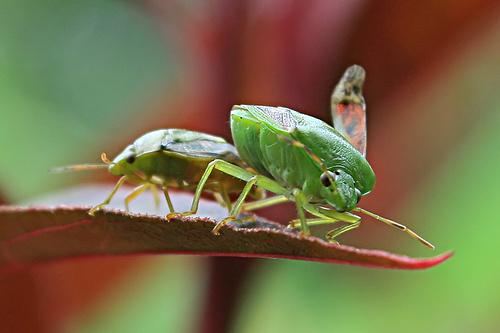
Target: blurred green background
80	78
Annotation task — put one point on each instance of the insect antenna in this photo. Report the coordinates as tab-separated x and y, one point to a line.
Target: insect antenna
313	156
104	158
79	167
90	166
395	225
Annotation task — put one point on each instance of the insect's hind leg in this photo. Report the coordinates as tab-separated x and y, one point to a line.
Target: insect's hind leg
215	164
237	172
259	180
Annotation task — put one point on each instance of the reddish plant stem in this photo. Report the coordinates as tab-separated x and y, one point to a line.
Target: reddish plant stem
227	277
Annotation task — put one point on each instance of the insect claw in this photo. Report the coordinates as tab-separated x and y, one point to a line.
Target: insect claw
305	234
333	241
216	229
93	210
176	215
222	223
293	224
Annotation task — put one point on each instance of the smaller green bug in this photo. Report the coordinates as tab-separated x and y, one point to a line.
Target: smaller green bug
173	158
303	159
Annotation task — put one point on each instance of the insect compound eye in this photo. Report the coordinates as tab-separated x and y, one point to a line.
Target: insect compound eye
326	178
130	159
358	193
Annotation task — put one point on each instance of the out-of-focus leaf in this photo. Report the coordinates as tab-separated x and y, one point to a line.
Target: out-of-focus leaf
37	234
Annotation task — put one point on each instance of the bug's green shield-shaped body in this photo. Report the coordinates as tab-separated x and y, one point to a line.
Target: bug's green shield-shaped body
260	135
177	158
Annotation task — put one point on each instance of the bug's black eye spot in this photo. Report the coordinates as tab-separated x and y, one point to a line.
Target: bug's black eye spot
337	172
326	178
358	193
130	159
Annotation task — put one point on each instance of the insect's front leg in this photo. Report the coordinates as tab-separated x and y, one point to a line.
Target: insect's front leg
109	197
330	235
326	216
301	202
334	216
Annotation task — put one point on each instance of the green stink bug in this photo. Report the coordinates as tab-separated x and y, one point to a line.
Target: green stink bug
305	160
173	158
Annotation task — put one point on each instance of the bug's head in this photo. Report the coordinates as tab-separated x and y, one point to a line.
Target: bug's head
339	190
123	164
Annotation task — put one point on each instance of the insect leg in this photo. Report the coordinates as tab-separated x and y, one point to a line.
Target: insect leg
167	197
135	192
220	200
109	197
259	180
274	200
242	174
222	197
330	213
300	199
325	215
156	199
334	216
201	184
237	172
330	236
226	198
330	216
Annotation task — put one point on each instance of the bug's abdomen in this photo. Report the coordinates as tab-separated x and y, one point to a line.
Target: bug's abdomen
271	156
288	164
245	130
179	171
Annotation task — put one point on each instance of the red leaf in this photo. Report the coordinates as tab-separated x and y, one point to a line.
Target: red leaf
37	234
